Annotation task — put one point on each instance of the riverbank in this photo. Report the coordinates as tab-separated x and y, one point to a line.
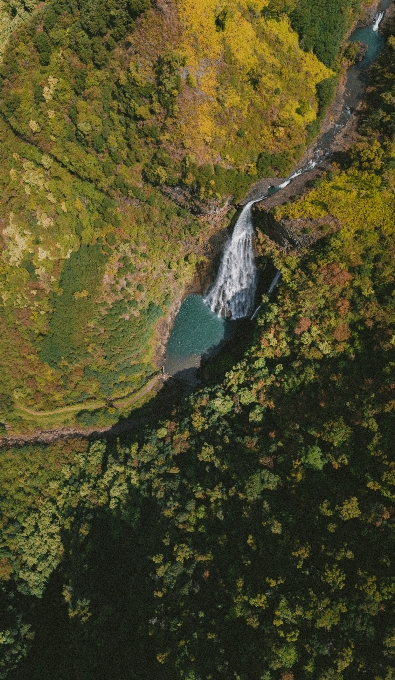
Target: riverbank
342	116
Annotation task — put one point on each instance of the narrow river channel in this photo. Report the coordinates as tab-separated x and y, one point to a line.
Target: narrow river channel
203	324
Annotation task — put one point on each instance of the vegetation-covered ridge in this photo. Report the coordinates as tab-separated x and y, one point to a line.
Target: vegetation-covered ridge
250	533
104	108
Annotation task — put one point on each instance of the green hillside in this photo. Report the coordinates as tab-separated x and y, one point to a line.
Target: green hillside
244	531
248	533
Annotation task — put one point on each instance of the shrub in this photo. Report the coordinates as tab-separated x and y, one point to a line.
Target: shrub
168	78
312	130
121	184
88	418
108	168
50	19
43	47
10	104
38	94
99	143
99	53
275	163
322	25
81	44
79	82
264	164
325	92
111	238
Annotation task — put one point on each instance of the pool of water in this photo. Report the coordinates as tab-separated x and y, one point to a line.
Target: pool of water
197	331
373	39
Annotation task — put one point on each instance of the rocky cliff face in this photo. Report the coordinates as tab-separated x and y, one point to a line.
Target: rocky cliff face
292	233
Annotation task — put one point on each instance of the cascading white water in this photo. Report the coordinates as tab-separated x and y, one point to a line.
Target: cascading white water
377	21
310	165
233	293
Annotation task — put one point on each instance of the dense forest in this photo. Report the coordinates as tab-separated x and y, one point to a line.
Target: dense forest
246	530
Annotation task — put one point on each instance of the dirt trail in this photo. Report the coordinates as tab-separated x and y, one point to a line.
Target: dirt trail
48	436
61	409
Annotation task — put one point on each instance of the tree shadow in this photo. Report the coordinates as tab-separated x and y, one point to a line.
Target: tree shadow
103	631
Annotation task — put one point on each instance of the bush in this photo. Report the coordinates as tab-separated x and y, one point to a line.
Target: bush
137	7
79	82
115	156
111	238
38	94
162	169
94	17
325	93
99	143
73	114
275	163
50	19
10	104
97	16
168	79
313	130
108	168
138	193
99	53
64	6
88	418
43	47
322	25
120	184
81	44
264	164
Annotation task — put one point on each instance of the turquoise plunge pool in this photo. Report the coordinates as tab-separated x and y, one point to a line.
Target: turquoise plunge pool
197	331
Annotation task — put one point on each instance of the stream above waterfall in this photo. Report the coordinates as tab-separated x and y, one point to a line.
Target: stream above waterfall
204	323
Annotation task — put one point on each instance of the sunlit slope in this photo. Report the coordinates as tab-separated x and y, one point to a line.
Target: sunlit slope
254	89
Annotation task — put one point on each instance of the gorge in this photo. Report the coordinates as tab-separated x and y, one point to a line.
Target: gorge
240	525
233	293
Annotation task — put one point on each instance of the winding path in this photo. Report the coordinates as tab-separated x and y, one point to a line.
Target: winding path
92	406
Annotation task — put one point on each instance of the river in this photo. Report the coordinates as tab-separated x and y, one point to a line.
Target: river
203	324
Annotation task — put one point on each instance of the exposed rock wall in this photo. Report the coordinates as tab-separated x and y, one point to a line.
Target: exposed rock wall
293	234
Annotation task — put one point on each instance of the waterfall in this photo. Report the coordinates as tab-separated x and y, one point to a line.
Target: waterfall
233	293
377	21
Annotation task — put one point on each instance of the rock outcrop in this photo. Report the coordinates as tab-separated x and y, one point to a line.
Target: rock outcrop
292	234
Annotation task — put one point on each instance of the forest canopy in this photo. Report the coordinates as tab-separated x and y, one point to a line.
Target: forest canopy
247	532
244	530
